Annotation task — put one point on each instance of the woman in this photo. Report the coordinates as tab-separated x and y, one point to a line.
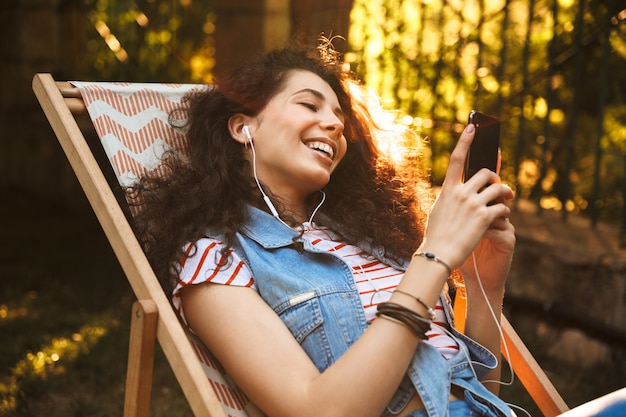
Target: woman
303	259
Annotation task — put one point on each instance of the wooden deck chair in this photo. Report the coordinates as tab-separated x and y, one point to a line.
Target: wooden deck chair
131	120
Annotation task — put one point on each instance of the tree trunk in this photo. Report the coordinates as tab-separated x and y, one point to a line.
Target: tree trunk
312	18
246	27
238	32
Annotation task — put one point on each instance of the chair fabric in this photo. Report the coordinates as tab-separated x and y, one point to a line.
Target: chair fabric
134	122
137	123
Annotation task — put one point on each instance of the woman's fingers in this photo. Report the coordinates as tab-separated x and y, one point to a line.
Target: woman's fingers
464	212
458	158
493	192
459	154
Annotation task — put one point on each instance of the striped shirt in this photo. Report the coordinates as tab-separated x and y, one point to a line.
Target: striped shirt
375	281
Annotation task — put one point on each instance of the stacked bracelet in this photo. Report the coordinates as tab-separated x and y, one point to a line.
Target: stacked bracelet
432	257
431	311
418	324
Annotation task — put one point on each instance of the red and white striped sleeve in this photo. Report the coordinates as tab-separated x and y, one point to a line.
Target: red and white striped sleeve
204	262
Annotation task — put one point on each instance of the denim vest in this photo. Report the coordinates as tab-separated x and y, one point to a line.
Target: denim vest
316	297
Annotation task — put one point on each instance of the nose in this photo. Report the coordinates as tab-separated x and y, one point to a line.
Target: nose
332	123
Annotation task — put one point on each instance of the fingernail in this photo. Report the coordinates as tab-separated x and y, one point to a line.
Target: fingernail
469	128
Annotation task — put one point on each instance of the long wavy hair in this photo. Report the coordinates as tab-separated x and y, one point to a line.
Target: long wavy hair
368	195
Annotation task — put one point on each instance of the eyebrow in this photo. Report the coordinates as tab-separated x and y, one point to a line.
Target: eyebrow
312	91
319	95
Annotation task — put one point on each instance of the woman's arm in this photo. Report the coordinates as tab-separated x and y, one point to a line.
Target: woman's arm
265	360
485	272
467	207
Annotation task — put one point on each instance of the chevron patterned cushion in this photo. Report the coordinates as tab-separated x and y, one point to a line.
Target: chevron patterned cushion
132	121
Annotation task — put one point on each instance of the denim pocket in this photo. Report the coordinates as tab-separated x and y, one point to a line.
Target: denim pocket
306	323
303	317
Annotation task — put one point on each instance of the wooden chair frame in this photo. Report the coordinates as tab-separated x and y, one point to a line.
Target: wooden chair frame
152	316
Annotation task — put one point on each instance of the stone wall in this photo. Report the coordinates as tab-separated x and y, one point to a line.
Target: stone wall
569	263
565	298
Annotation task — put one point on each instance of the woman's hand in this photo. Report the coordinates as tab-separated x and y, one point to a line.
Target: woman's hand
470	221
491	259
466	214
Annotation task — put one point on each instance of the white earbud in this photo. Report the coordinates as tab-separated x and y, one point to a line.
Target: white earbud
246	130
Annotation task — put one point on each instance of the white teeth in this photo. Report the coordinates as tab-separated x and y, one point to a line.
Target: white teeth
321	146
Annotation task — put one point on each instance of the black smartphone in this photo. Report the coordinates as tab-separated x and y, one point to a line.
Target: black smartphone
483	152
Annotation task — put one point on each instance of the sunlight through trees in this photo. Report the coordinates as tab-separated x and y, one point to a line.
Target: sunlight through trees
153	41
536	64
549	69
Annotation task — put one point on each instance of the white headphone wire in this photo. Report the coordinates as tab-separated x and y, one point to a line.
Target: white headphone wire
266	198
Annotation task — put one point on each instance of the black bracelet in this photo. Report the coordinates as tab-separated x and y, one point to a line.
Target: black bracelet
389	307
432	257
418	324
417	331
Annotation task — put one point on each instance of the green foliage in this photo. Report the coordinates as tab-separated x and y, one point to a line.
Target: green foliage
149	40
531	63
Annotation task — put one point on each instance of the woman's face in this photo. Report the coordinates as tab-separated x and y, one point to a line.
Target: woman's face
298	137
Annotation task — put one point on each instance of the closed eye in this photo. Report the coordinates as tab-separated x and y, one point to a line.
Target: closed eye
310	106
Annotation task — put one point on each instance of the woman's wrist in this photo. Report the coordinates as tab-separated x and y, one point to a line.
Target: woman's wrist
494	295
492	285
451	254
423	281
430	256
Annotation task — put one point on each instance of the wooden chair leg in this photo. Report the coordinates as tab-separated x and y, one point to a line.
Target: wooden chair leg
531	375
528	371
140	359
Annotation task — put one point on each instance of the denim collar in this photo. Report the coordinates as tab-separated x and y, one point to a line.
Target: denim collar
267	231
271	233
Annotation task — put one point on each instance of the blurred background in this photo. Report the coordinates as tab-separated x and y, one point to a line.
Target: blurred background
553	71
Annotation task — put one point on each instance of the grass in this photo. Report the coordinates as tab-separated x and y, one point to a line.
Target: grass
64	318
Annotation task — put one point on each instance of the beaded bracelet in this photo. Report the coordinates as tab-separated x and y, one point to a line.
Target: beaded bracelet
418	324
432	257
431	311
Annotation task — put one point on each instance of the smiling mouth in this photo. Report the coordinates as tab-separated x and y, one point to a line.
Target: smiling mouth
322	147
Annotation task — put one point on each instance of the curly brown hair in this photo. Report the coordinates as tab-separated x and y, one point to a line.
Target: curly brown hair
367	194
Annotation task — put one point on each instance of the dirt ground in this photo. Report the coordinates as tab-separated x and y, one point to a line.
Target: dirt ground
572	239
566	296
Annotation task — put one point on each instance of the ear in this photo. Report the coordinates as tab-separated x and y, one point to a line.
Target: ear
235	127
